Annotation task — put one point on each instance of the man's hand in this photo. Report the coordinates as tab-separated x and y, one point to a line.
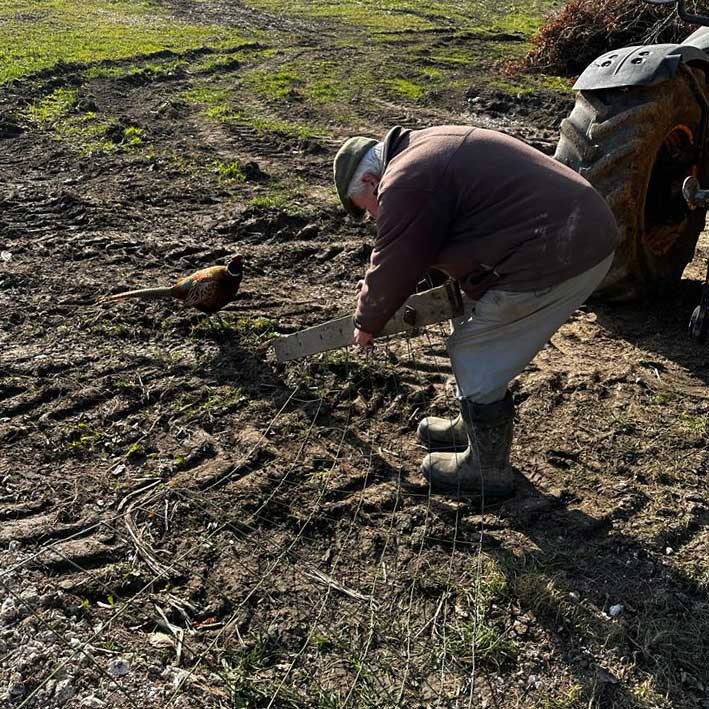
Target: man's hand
363	339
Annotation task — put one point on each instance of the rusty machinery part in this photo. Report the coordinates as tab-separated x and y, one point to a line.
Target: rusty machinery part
636	145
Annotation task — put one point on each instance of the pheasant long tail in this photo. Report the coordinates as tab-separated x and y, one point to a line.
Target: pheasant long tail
147	293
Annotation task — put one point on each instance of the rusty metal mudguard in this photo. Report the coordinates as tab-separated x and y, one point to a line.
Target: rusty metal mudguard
638	66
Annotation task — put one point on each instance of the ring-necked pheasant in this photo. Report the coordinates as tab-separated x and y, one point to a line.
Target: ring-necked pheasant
208	290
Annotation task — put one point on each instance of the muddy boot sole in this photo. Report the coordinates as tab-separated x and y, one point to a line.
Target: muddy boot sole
490	491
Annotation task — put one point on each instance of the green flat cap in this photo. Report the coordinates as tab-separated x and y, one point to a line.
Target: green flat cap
345	165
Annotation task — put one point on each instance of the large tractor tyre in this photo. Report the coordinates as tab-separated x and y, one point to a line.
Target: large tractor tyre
636	146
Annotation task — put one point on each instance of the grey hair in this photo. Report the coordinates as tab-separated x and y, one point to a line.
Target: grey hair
373	161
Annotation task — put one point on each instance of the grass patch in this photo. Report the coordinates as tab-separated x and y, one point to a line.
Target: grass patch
288	194
410	15
570	699
479	637
55	107
251	331
215	103
135	451
229	171
91	31
239	670
256	331
231	58
366	66
406	88
108	328
82	437
84	130
275	85
132	137
275	199
212	400
218	105
696	424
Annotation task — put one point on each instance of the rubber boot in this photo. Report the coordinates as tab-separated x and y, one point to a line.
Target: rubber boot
443	434
484	467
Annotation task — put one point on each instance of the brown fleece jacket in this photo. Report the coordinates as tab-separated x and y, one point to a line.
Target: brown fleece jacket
466	200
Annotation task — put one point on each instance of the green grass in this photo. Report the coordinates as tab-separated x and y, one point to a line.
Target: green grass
241	670
480	637
406	88
570	699
229	171
377	53
696	424
280	196
220	104
82	437
409	15
39	35
252	331
84	130
53	108
211	400
275	84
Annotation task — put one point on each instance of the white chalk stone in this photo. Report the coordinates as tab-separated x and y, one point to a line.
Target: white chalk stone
118	667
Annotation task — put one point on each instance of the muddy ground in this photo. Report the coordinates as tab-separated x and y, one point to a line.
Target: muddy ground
242	533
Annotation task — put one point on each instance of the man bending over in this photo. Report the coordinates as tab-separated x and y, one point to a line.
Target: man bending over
527	238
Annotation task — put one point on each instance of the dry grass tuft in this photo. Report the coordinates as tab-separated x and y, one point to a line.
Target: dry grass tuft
584	29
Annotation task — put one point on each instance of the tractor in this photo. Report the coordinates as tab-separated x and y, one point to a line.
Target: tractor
638	133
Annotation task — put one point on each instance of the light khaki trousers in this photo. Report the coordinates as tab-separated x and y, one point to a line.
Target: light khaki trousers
498	335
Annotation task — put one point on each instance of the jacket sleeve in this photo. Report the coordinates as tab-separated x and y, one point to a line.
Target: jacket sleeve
411	228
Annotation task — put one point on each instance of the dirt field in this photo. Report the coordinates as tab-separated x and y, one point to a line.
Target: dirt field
183	522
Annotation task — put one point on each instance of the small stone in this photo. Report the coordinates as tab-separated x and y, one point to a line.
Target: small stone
309	231
118	667
14	545
179	677
669	550
8	610
5	256
63	692
30	597
161	640
46	600
92	702
16	688
575	596
616	610
533	682
49	688
605	676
